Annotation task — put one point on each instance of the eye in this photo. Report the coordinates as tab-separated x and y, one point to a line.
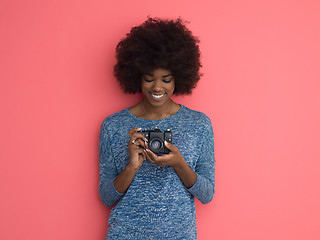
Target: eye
167	80
148	80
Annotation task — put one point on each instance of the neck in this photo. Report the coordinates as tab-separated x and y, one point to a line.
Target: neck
159	111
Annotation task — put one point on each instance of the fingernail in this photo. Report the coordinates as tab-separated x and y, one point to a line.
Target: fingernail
139	129
165	142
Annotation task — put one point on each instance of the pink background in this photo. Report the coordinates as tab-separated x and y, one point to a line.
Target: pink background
260	88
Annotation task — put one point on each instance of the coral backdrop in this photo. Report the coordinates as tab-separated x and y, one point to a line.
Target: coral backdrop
260	88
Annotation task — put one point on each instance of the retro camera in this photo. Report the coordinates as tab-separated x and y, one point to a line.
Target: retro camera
156	140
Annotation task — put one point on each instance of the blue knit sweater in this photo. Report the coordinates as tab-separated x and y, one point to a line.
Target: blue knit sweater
157	205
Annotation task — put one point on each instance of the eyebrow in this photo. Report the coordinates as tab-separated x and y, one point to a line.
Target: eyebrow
151	75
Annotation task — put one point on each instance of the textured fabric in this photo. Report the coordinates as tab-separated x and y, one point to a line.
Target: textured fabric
156	205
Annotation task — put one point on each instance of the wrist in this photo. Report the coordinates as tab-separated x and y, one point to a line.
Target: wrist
131	168
180	165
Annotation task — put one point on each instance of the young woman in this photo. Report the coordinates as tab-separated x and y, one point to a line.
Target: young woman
153	194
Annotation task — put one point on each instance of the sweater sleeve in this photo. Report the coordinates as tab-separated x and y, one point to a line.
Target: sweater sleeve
108	172
204	187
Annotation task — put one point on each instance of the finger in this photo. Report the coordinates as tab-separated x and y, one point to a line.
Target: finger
134	143
154	158
164	158
137	151
148	157
170	146
159	160
133	130
144	154
150	154
139	142
132	146
138	135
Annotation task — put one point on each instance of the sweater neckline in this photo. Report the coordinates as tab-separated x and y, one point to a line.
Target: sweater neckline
156	120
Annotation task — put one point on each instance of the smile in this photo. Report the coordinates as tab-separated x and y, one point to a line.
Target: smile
157	96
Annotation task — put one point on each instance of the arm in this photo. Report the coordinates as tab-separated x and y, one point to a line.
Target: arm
113	185
108	172
175	160
204	187
200	183
136	157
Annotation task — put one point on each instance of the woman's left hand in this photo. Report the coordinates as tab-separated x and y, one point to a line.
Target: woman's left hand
173	159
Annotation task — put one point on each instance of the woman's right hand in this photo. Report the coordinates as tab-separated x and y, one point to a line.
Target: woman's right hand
136	154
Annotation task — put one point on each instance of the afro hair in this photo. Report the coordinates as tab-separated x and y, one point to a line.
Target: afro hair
158	43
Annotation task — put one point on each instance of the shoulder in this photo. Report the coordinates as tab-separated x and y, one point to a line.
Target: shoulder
197	117
113	120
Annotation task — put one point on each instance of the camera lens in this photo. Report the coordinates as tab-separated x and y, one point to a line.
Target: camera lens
155	144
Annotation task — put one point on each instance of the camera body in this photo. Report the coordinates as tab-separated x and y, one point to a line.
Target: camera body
156	140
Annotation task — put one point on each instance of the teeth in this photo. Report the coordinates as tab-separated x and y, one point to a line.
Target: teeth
157	96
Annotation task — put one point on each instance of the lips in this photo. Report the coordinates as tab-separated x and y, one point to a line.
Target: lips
157	96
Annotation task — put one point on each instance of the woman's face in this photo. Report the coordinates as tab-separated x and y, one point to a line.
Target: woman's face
157	86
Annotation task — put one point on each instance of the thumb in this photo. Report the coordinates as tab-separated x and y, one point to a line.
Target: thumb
170	146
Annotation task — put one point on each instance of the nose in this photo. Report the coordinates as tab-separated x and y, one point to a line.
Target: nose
157	86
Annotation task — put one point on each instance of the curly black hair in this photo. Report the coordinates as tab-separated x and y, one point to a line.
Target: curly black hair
158	43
